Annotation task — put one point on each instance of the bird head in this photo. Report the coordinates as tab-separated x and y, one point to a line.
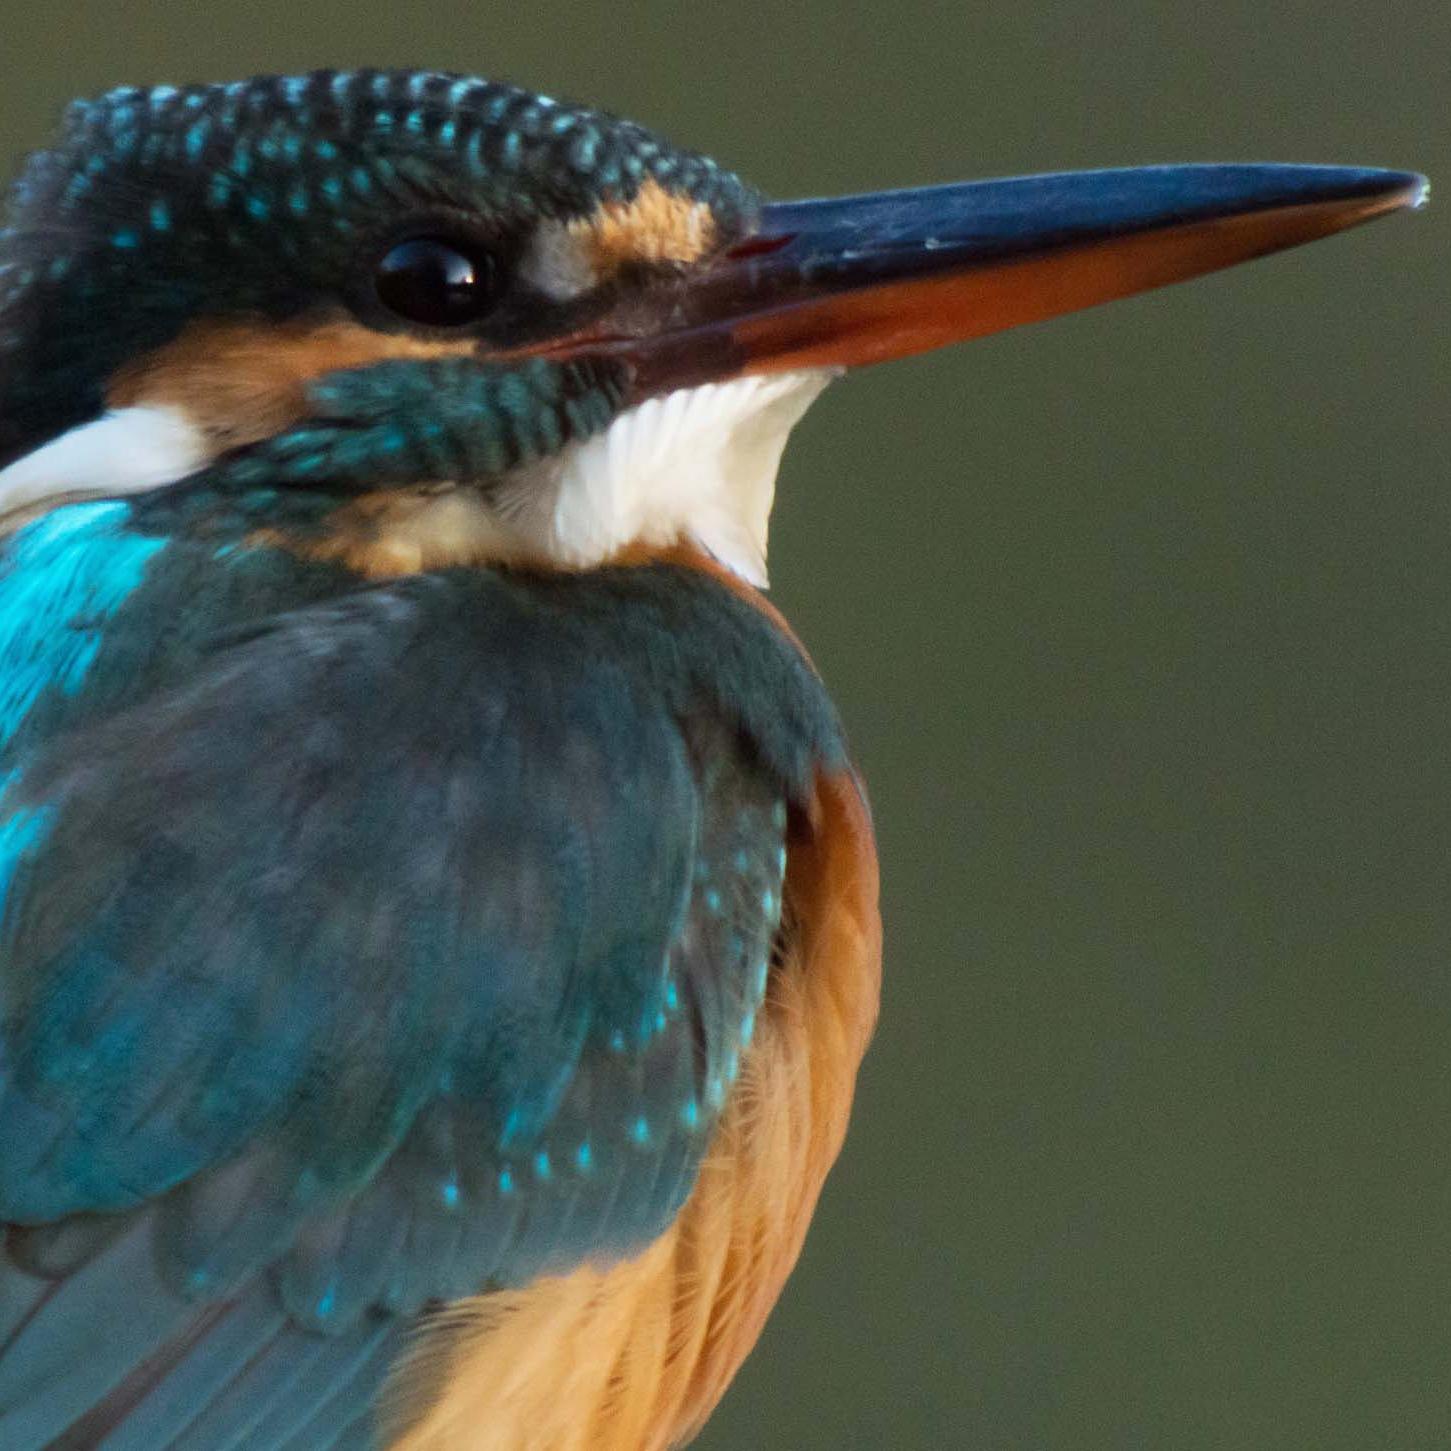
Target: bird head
408	319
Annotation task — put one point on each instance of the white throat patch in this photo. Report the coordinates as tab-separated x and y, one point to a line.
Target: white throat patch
698	464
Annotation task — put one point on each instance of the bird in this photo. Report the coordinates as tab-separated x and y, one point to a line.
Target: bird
439	923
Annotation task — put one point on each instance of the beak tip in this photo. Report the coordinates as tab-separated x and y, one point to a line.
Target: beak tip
1402	188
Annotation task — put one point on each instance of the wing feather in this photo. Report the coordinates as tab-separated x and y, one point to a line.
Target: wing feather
363	949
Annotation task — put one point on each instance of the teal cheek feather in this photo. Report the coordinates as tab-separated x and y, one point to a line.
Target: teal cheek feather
394	423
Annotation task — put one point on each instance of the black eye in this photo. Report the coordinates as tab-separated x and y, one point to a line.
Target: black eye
436	282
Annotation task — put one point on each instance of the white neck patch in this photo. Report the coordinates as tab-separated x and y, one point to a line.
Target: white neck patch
697	464
125	451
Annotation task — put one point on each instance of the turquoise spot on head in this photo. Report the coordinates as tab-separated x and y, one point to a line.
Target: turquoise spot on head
543	1169
450	1193
584	1158
506	1181
640	1132
584	152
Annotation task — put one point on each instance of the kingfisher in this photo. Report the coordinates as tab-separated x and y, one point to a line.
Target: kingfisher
438	912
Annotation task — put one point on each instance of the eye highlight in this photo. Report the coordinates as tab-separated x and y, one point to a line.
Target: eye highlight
437	281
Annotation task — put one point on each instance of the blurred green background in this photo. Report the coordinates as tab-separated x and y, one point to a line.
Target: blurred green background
1140	622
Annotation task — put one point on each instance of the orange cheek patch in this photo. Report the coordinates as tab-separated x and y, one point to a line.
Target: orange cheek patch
657	226
245	380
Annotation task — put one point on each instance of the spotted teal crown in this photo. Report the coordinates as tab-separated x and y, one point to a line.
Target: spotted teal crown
163	204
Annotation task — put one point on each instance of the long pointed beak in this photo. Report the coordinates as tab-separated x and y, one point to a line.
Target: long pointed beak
854	280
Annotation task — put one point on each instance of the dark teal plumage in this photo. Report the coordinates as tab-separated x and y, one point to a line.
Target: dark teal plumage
362	945
396	422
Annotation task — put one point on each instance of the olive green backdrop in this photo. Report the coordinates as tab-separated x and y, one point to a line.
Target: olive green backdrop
1141	623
